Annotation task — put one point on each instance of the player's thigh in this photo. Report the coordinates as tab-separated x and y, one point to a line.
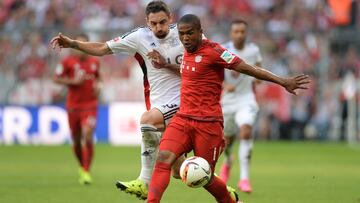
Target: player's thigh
175	139
168	111
246	114
230	127
88	122
74	124
209	142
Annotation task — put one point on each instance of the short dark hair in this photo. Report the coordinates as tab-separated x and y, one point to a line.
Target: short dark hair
157	6
239	21
83	35
191	19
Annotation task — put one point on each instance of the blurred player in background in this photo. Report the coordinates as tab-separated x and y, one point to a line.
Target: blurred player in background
80	73
239	104
198	125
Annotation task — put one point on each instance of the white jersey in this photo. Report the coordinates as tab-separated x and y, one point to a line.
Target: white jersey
162	86
244	83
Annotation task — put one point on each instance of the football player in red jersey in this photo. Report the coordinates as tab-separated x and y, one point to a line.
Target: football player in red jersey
80	73
198	125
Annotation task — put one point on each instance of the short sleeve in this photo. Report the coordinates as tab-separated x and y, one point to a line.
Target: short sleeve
127	43
225	58
258	55
60	69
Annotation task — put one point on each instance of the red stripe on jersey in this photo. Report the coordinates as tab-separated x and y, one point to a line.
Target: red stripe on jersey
142	64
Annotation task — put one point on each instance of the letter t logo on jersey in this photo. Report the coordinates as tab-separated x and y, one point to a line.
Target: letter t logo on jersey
227	56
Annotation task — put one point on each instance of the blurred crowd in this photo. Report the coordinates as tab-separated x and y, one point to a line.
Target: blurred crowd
317	37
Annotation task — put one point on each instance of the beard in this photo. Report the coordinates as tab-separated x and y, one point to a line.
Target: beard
161	35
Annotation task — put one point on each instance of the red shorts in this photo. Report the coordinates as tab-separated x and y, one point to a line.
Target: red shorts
185	134
81	118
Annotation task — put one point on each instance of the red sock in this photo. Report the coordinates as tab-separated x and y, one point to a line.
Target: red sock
78	153
87	151
218	189
159	181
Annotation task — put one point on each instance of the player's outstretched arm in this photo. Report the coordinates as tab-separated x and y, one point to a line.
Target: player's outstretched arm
290	84
91	48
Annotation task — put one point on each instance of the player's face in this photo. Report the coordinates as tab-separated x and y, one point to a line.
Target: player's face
190	36
159	23
238	33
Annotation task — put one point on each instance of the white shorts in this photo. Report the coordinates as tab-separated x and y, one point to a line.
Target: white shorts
168	111
245	114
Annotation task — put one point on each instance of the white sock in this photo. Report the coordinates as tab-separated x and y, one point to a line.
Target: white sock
149	149
244	158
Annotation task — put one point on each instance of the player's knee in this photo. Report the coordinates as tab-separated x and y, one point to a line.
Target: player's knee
153	117
228	141
166	157
245	131
146	118
87	133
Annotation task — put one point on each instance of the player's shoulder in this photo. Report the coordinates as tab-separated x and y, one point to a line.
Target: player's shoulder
212	46
138	30
252	45
227	45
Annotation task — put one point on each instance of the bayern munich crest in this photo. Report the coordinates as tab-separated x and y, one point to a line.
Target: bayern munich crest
198	58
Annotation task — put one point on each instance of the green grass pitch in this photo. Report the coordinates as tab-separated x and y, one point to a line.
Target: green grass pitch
282	172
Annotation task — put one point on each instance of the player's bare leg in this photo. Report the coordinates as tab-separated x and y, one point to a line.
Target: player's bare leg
87	153
175	169
245	157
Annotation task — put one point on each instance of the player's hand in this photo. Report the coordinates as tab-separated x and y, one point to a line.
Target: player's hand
229	88
297	82
61	41
157	60
97	88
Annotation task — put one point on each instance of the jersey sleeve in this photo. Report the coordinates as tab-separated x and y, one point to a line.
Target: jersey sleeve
258	55
225	58
61	69
127	43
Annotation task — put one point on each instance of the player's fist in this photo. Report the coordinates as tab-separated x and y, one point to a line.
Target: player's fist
157	59
229	88
297	82
61	41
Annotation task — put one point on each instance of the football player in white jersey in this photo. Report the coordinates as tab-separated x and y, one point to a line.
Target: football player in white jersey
239	105
159	52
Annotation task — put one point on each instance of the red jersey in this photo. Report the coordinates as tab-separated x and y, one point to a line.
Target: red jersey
202	76
81	96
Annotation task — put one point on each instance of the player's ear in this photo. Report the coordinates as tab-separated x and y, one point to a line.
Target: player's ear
147	21
171	18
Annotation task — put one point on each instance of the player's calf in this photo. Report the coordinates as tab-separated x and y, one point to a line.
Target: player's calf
175	169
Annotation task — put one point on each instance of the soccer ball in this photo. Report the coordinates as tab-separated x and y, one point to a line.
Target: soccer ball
195	172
